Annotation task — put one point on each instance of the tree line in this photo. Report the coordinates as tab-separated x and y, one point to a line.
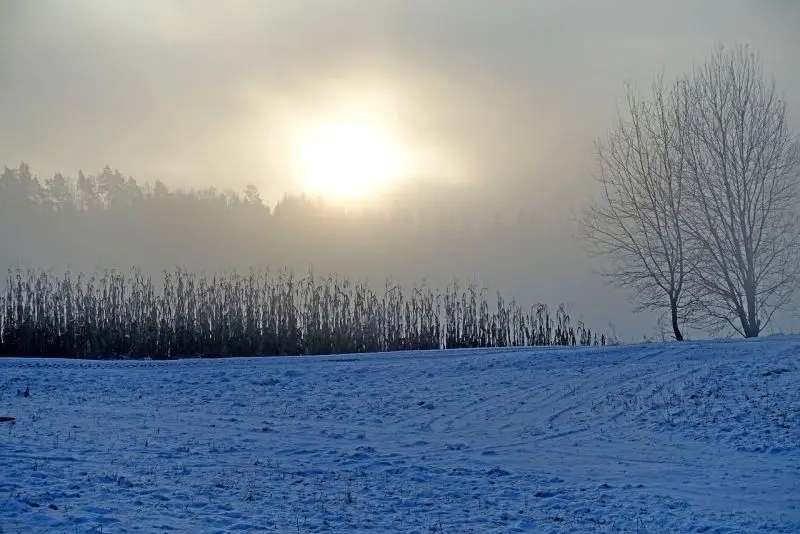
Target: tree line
22	190
700	197
117	315
110	220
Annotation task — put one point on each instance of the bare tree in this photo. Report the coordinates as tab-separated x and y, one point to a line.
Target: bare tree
743	168
637	223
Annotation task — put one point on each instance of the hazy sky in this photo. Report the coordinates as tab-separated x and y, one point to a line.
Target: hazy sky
500	99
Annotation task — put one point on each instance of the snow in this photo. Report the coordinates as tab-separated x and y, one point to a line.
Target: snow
694	437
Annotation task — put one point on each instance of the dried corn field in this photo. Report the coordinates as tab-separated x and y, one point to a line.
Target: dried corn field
118	315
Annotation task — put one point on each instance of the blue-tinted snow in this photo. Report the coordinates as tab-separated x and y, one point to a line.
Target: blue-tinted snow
649	438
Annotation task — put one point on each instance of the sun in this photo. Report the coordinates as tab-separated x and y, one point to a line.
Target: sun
347	161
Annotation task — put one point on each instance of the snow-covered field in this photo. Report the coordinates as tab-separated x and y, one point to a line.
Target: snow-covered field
699	437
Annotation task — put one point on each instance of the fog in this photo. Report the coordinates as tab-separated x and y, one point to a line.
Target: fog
498	102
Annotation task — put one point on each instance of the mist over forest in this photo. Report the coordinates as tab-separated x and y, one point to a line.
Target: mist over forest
164	134
108	220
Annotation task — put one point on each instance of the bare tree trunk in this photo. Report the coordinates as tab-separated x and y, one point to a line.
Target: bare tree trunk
676	329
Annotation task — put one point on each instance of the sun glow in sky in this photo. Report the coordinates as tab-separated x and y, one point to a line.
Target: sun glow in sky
346	161
350	143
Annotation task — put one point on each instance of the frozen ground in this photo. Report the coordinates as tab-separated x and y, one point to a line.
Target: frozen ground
701	437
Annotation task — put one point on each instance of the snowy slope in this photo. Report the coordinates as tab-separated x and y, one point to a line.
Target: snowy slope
649	438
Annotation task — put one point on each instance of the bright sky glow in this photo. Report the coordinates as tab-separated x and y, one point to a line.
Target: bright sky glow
347	161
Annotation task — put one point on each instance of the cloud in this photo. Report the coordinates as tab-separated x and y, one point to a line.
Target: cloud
155	85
